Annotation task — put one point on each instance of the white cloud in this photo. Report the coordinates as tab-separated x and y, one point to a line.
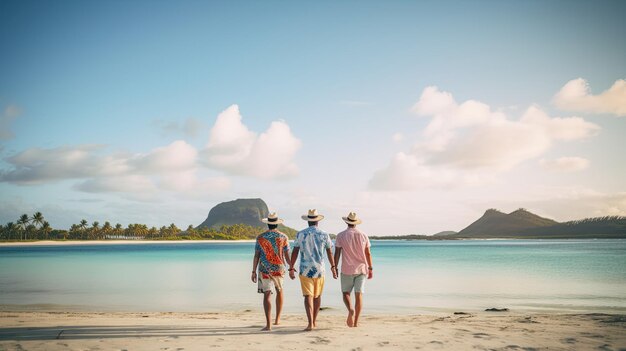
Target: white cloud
576	96
178	156
233	148
565	164
36	165
174	168
7	116
121	184
467	143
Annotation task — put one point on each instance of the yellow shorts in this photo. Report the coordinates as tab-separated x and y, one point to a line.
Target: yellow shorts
312	286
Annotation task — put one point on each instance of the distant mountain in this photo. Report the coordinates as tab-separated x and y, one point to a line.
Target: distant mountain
498	224
445	233
524	224
241	211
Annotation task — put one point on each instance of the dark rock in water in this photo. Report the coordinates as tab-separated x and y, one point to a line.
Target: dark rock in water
325	308
461	313
497	310
240	211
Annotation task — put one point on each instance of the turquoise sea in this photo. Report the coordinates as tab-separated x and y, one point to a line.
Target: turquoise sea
409	277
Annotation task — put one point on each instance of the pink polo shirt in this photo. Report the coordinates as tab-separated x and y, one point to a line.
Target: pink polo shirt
353	243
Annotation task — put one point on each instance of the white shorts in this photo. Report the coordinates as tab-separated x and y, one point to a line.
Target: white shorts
269	284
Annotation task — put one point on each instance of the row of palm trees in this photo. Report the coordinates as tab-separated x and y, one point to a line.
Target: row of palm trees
35	227
26	228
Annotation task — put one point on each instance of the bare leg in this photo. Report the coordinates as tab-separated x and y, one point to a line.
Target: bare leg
317	302
279	306
308	307
267	306
348	303
358	304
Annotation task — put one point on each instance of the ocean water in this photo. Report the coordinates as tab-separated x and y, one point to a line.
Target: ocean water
409	277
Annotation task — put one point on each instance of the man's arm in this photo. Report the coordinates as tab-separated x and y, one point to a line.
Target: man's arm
370	267
255	263
337	255
292	262
333	268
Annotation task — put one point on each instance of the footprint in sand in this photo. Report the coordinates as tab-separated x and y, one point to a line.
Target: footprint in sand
319	340
383	343
481	335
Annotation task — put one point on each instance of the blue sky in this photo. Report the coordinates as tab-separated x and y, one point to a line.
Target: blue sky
344	78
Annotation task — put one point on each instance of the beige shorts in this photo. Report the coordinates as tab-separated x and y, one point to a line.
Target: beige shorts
269	284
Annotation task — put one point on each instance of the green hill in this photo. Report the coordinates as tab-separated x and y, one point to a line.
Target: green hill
524	224
241	211
498	224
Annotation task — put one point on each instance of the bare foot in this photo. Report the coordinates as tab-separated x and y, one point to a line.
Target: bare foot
308	328
268	328
350	320
276	322
355	325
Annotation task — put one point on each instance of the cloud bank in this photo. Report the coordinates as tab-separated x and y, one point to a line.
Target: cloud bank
576	96
467	143
233	148
565	164
177	167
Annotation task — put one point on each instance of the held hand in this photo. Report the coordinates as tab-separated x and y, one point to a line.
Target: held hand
334	271
370	274
292	274
253	277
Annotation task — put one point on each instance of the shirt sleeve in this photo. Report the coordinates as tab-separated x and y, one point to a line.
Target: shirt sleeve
338	240
329	243
367	241
296	243
286	238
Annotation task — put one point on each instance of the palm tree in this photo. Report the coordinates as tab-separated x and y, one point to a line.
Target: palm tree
23	223
173	229
95	230
118	230
37	219
46	229
106	229
82	226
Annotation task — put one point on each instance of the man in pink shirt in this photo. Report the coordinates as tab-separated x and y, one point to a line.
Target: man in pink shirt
356	264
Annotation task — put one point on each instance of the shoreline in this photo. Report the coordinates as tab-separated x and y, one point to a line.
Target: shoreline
241	330
114	242
119	242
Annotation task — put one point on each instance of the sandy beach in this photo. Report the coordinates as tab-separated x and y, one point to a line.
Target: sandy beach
241	330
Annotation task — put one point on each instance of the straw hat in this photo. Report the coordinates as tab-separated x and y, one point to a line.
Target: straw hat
352	219
272	218
312	216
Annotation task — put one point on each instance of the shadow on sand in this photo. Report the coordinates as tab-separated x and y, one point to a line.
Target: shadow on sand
71	332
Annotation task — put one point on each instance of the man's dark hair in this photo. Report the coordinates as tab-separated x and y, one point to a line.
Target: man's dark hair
351	225
312	223
272	226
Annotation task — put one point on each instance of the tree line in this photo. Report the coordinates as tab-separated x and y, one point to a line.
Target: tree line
35	227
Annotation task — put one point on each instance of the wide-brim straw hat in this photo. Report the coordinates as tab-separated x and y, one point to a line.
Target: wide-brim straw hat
312	216
272	218
352	219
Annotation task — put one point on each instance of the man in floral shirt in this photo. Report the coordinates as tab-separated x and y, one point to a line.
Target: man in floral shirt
270	256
